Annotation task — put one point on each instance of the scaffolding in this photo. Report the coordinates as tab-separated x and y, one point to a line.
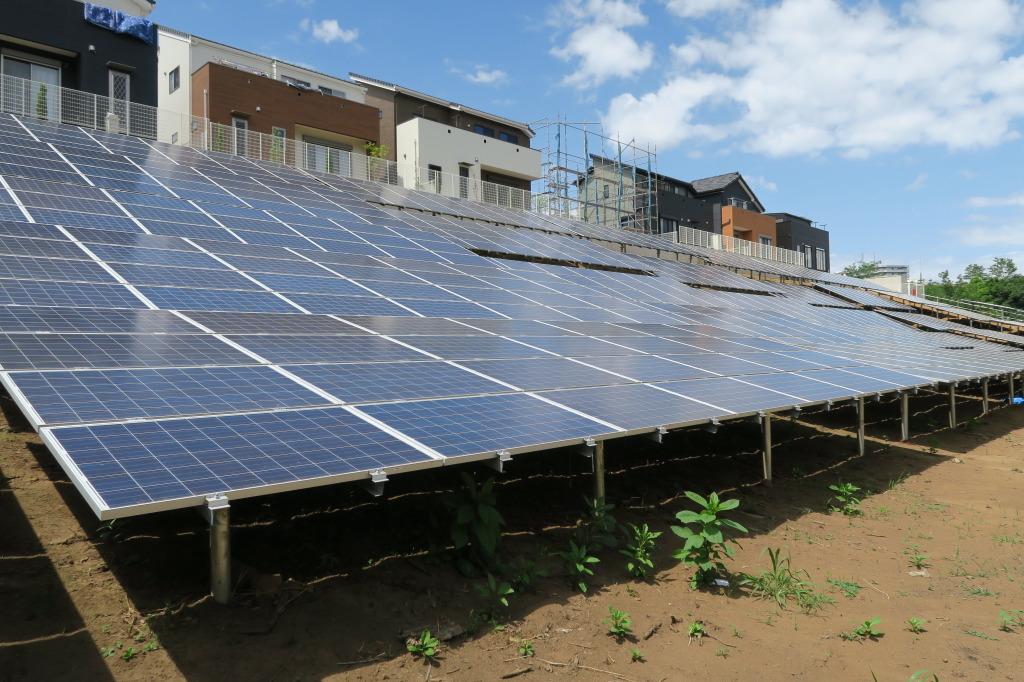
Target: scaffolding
589	176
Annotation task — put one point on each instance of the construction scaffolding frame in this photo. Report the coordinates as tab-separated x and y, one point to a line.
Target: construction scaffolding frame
589	176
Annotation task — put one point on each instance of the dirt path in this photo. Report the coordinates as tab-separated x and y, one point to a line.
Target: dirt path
329	578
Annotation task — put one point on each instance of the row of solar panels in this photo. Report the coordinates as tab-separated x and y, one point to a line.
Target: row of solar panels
179	323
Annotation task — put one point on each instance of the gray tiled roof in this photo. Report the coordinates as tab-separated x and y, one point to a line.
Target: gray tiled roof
714	183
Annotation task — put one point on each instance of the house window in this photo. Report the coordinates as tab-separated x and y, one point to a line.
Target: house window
305	85
483	130
241	136
508	137
667	225
37	95
808	255
607	192
174	79
767	241
464	182
820	262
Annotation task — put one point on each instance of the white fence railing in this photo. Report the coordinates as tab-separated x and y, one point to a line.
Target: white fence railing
1000	312
720	242
74	107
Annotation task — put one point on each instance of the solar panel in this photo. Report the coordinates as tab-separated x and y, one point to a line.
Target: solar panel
290	348
463	427
731	395
368	382
634	406
141	466
108	395
70	351
540	373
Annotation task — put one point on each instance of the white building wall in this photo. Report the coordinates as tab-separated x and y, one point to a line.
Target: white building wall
174	53
423	143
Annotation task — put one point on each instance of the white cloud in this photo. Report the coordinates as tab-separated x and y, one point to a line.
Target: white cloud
697	8
805	76
759	182
328	30
484	77
997	235
601	46
1015	199
918	182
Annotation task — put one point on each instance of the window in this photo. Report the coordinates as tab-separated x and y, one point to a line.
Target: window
508	137
820	262
667	225
174	79
464	181
483	130
37	94
767	241
434	177
326	156
607	193
808	255
120	93
241	136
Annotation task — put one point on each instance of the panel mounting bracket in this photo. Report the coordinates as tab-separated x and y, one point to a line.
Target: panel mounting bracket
795	412
498	463
375	486
712	426
878	397
214	502
587	449
656	436
829	405
757	418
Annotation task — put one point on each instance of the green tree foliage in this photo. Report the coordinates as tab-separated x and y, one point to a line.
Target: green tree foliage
1000	283
862	268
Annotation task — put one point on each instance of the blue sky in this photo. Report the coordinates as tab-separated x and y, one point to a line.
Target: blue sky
895	124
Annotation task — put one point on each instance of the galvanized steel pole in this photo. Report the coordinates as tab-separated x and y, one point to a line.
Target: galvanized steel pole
860	425
598	472
766	451
905	416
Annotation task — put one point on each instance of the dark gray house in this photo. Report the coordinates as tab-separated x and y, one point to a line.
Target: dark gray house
797	233
50	45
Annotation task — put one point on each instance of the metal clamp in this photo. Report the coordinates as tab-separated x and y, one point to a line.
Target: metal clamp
214	502
375	486
656	436
712	426
498	463
587	449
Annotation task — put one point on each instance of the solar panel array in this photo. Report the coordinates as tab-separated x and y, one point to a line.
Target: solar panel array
179	323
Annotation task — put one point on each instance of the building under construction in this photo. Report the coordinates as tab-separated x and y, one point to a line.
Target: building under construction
592	177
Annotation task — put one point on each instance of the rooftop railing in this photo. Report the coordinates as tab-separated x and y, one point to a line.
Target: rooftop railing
721	242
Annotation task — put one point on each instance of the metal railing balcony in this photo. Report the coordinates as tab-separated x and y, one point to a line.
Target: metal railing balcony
720	242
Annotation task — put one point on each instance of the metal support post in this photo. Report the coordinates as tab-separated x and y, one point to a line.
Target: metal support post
766	449
1012	391
984	396
952	405
219	515
599	472
860	425
905	416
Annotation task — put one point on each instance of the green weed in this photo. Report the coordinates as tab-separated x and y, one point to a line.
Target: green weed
638	549
846	499
619	623
867	629
578	561
427	645
707	540
916	625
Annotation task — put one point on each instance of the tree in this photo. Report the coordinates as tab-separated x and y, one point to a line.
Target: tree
862	268
42	104
378	161
1002	268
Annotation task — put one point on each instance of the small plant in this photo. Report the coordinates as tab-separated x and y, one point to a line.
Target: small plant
849	588
476	529
933	445
619	623
724	653
695	631
495	596
920	676
631	591
598	529
707	541
975	633
895	482
427	645
918	561
782	583
736	632
526	648
1005	622
635	656
868	629
638	549
151	646
523	571
846	498
128	654
577	564
916	625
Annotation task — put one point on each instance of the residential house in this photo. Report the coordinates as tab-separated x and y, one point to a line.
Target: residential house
797	233
445	138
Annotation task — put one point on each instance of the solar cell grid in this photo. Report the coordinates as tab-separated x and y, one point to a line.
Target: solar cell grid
20	246
449	308
70	351
84	294
469	426
295	349
373	382
325	304
142	463
634	406
48	319
474	347
542	373
70	218
29	268
91	396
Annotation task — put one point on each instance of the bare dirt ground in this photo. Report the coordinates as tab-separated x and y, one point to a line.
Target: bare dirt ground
329	578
